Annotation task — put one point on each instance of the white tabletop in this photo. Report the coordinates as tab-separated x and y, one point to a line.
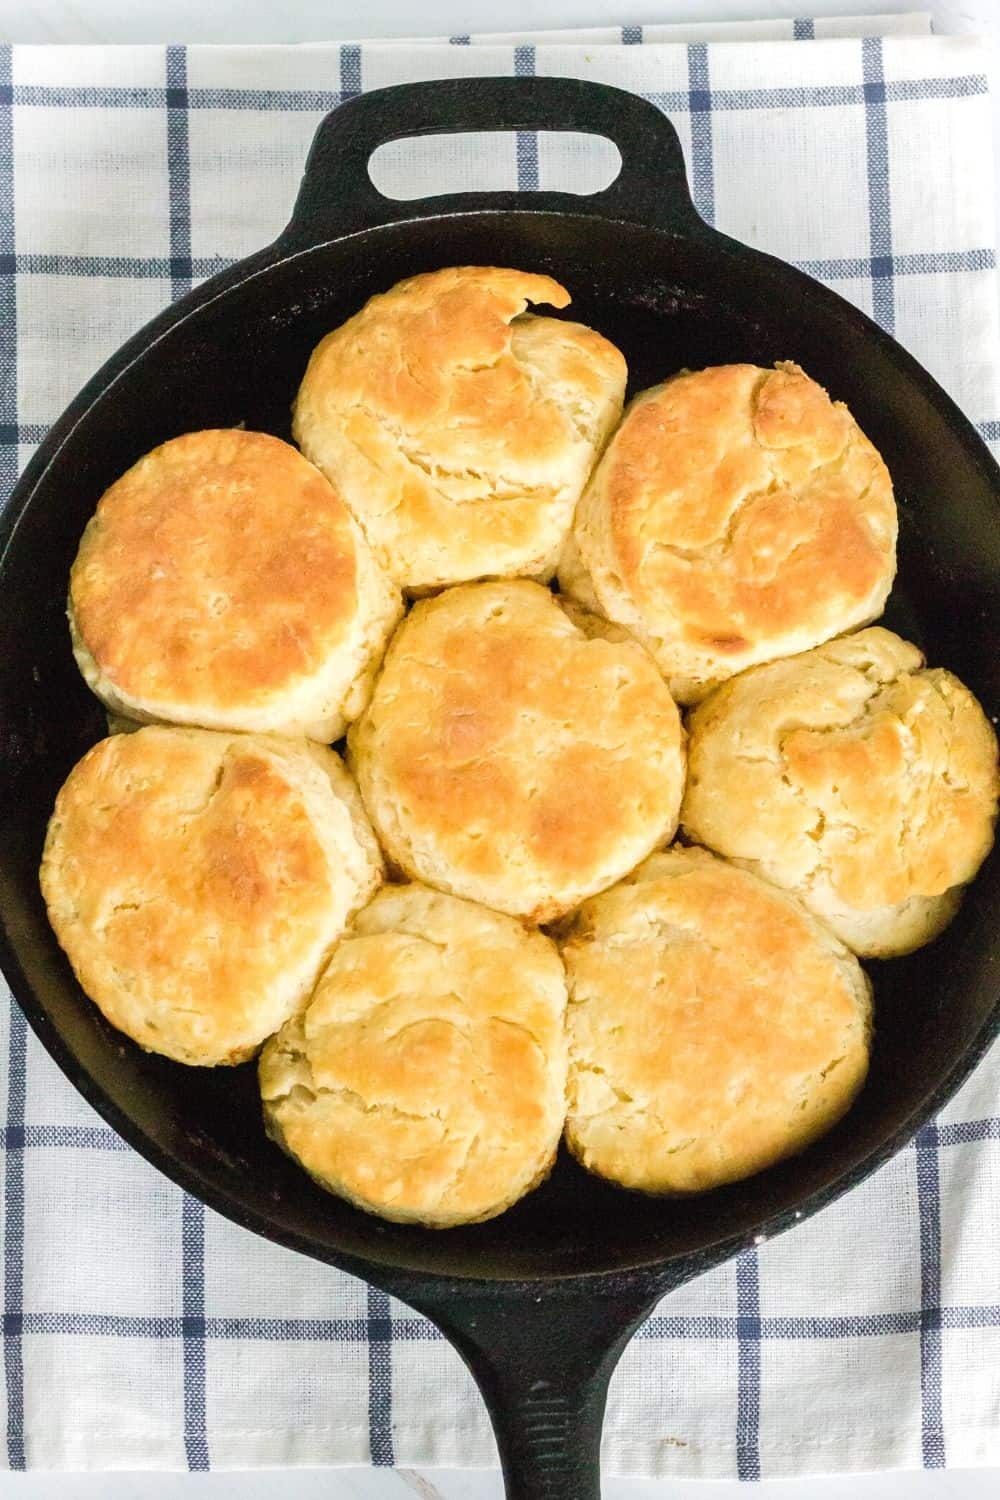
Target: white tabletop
330	20
469	1484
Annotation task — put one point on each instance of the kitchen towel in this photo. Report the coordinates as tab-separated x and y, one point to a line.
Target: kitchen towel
141	1331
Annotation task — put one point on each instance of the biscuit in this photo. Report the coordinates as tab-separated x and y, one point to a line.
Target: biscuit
714	1026
738	515
508	758
222	583
854	776
459	428
425	1081
197	882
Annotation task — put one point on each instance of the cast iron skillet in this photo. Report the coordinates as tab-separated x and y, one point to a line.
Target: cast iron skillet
541	1301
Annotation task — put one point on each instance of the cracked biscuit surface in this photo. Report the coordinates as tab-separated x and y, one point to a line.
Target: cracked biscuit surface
460	428
508	758
197	882
425	1080
223	583
737	515
714	1026
854	776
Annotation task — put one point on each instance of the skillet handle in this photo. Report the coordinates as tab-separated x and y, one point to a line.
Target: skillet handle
337	195
542	1360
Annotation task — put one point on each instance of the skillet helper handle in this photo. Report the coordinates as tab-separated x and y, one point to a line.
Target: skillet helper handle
337	195
542	1360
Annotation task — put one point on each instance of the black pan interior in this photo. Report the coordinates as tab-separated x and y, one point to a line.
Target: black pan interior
668	303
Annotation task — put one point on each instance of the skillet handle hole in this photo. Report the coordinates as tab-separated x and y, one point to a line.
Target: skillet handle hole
494	161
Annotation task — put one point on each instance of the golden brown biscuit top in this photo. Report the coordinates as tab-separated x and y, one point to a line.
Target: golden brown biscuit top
185	871
461	429
743	504
706	1009
850	765
220	569
434	1054
436	358
512	747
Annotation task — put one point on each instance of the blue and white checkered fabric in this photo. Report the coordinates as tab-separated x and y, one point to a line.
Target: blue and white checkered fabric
141	1331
